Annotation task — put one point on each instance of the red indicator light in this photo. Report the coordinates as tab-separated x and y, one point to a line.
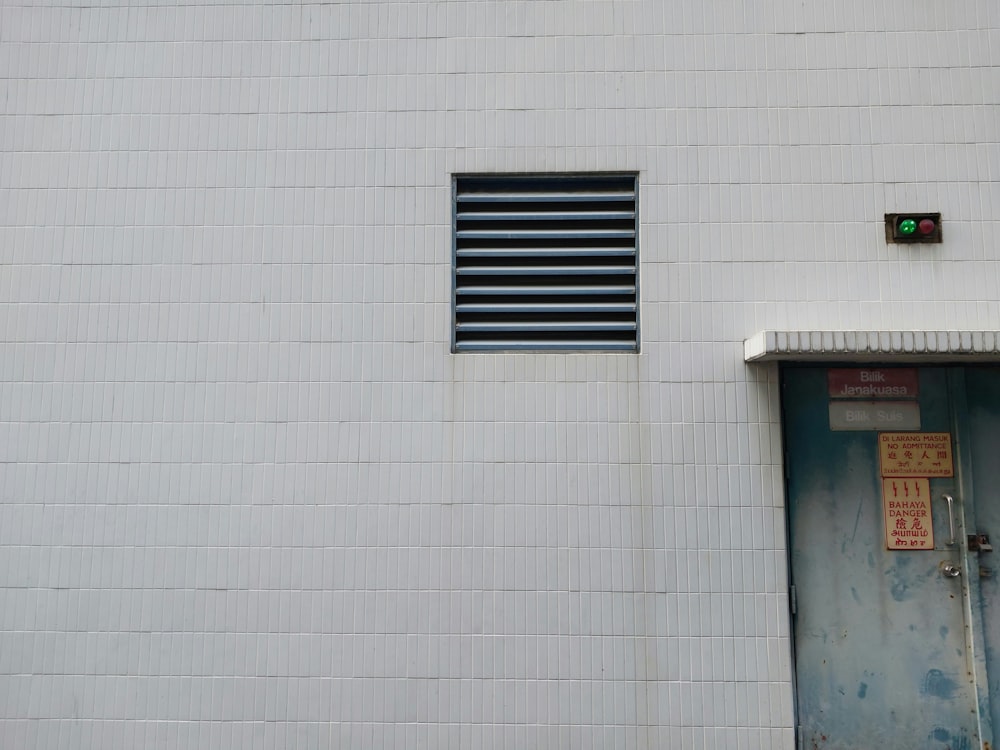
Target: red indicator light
926	226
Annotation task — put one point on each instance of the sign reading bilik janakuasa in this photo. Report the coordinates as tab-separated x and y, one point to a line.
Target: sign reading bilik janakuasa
873	383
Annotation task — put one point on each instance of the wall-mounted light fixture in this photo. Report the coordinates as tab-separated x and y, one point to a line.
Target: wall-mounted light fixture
907	228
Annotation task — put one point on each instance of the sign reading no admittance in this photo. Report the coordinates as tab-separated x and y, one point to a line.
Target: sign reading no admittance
915	454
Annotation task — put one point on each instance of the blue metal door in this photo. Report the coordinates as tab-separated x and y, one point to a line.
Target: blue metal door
890	645
981	490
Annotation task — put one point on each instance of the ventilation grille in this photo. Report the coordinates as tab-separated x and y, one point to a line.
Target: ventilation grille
545	262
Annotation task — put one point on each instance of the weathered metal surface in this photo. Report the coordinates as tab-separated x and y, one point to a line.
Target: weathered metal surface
881	636
982	485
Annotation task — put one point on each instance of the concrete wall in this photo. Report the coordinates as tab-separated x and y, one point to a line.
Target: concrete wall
249	498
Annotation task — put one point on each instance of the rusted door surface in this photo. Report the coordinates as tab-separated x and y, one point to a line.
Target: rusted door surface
890	644
982	387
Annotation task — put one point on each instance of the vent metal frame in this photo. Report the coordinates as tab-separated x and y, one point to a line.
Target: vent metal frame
525	273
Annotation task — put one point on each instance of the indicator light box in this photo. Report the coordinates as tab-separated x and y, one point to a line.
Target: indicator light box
907	228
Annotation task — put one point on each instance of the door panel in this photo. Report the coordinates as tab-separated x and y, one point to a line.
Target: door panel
982	387
882	658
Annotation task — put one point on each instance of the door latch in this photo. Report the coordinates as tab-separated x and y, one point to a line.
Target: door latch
980	543
951	519
950	571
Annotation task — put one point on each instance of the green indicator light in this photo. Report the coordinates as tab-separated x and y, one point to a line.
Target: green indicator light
907	226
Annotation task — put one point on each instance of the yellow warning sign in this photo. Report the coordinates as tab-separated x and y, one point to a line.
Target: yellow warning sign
915	454
906	512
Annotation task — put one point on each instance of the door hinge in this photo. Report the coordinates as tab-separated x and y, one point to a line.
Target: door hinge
793	599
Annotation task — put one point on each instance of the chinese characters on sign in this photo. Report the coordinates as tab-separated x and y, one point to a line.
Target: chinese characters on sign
907	460
906	506
915	454
872	398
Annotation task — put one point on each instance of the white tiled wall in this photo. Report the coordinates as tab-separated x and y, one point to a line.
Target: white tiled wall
249	498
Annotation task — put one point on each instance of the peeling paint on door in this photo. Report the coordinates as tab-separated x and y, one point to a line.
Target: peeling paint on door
882	657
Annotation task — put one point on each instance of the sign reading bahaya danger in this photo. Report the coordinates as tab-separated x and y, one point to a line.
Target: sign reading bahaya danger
906	513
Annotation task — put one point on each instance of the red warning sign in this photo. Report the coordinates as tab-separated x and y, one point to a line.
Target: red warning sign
873	383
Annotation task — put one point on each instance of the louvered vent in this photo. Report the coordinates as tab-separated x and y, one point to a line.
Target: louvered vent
545	262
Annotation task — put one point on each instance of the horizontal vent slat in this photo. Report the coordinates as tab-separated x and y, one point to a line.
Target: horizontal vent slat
545	291
521	327
545	252
547	345
550	197
552	308
547	271
547	234
515	216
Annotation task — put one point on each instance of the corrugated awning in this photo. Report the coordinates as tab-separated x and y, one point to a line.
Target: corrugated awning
871	346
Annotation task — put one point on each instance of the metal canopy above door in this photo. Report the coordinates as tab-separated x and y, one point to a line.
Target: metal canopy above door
897	616
873	346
